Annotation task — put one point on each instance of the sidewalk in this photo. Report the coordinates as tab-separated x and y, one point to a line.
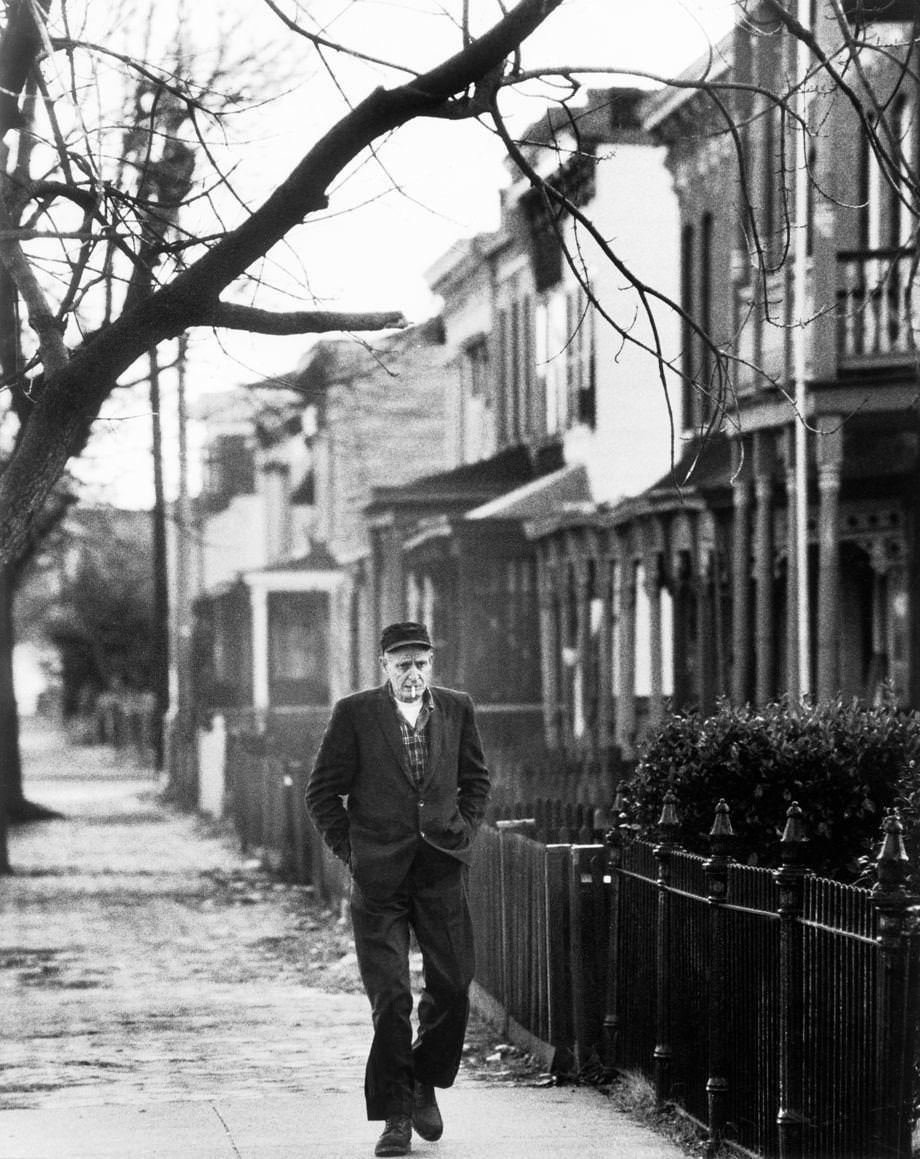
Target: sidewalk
159	997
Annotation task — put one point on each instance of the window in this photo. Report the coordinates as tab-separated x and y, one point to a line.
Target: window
476	368
696	283
705	316
871	198
513	376
516	376
580	367
474	432
904	132
546	247
298	626
525	373
505	419
550	341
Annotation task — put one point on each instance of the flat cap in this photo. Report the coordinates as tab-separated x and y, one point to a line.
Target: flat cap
406	634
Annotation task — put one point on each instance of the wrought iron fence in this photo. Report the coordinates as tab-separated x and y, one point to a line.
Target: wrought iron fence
772	1005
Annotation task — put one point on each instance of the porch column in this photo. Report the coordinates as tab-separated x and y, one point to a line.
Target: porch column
702	582
829	445
567	645
741	573
792	573
581	573
707	577
763	566
549	645
258	600
652	572
626	705
605	658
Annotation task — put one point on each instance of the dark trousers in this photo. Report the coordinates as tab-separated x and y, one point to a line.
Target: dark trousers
432	901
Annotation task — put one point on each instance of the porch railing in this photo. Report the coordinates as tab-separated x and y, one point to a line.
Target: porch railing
877	312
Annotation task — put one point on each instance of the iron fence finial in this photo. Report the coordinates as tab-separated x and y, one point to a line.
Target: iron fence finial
793	840
722	824
891	863
669	822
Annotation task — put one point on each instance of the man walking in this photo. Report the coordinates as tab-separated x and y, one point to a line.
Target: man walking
398	789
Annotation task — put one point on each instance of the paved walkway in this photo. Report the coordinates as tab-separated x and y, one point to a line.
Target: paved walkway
160	997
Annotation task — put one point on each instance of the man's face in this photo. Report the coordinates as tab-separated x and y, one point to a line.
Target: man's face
408	671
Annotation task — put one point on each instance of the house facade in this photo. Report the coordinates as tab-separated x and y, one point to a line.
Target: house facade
548	347
399	478
280	539
697	586
595	498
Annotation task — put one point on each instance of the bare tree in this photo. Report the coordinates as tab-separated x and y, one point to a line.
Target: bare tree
104	275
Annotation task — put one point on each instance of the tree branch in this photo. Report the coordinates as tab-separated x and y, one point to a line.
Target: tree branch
229	316
41	316
20	46
73	393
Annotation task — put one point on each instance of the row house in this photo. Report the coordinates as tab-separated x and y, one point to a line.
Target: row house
399	477
289	464
250	562
548	345
690	589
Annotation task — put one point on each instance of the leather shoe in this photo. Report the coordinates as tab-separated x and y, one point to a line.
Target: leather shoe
396	1138
426	1118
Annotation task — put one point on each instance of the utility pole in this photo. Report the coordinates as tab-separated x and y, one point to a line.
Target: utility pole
182	763
160	609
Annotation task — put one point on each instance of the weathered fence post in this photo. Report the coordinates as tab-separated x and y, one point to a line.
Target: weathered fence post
559	984
297	834
668	826
721	837
790	879
577	956
894	1054
505	996
613	839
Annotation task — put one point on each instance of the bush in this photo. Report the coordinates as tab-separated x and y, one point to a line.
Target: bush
845	763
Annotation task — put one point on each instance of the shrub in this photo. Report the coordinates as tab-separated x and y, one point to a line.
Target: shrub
846	763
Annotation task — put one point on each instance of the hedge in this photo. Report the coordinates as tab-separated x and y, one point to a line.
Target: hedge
846	763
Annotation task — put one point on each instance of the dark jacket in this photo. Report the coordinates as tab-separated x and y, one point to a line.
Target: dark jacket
363	799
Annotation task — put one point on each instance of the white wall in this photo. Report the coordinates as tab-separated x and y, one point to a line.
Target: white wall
470	422
635	209
233	540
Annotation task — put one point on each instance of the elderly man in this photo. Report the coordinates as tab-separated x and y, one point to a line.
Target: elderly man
397	790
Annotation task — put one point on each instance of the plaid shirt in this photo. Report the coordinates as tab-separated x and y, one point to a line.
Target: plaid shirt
415	740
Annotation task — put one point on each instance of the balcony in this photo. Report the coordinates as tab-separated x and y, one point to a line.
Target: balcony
877	315
872	11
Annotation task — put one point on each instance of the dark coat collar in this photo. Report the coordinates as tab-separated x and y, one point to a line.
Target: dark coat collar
385	713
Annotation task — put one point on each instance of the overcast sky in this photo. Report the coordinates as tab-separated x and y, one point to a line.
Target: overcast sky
431	183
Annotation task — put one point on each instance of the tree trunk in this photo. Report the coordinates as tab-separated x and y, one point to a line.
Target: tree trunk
16	806
10	763
10	766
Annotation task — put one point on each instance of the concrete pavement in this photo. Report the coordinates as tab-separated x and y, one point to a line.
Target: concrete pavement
161	997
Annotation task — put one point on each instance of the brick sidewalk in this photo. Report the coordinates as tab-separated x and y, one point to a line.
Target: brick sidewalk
150	975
